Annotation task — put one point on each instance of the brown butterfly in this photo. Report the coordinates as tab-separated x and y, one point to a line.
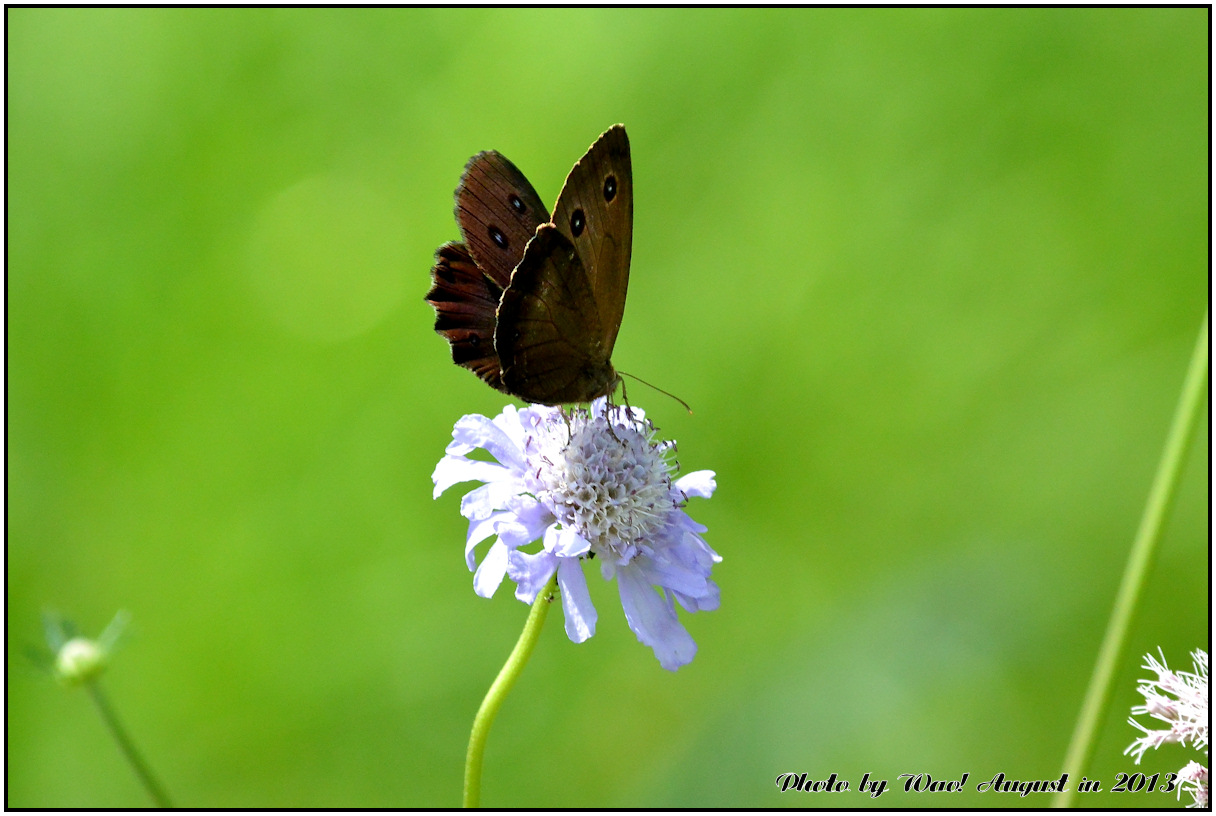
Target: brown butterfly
529	303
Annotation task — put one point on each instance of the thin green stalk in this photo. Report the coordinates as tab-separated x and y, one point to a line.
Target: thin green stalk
1135	574
499	690
128	748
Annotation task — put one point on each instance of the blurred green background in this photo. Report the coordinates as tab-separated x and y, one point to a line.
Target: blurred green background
930	280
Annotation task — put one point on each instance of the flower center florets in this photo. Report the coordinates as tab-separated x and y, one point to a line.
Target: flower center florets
610	482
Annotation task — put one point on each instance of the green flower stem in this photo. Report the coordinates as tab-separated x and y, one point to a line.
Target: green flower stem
499	691
128	748
1135	574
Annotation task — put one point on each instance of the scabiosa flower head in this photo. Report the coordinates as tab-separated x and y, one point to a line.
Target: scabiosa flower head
589	484
1180	700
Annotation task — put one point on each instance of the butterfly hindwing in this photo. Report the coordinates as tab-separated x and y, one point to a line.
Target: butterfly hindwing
466	306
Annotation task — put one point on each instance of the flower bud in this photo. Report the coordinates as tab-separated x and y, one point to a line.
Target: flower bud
80	660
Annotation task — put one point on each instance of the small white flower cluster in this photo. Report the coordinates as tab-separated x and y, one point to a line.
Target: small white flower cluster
1179	699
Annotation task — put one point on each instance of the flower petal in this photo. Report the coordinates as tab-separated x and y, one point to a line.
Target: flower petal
707	555
477	431
576	600
566	542
530	572
510	423
493	567
531	515
654	621
455	469
479	531
481	502
706	602
699	483
671	575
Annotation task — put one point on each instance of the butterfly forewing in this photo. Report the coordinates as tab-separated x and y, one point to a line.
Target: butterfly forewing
498	212
595	211
550	344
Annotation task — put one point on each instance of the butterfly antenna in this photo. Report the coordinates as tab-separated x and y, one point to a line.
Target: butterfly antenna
656	388
624	398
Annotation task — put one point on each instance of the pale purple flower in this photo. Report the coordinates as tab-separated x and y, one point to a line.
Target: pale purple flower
588	484
1180	700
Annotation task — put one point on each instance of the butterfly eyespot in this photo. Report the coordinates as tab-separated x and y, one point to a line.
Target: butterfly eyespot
497	237
577	222
518	204
610	188
474	341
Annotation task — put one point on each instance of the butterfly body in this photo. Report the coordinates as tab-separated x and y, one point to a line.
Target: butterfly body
532	303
